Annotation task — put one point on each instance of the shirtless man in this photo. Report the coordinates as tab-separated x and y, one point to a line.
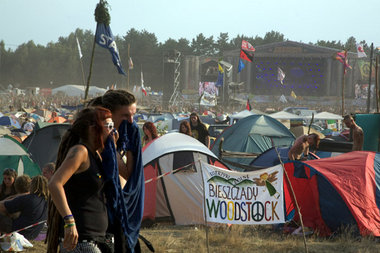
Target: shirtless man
357	132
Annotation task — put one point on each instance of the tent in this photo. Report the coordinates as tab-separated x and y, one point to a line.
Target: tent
337	191
253	134
13	155
240	115
326	116
177	196
284	115
73	90
43	143
9	121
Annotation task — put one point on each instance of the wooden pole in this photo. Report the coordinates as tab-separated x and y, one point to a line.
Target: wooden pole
369	79
377	83
343	84
204	205
295	199
129	46
90	72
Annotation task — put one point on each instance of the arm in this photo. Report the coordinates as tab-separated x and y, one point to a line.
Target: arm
3	210
208	141
75	159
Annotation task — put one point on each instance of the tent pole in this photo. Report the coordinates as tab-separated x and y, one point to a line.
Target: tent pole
204	205
295	200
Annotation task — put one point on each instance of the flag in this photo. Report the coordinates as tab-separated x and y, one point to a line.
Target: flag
248	106
246	53
342	57
361	53
293	95
79	50
130	63
104	38
142	84
241	65
280	75
219	81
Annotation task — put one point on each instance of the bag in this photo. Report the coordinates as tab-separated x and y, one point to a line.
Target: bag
106	244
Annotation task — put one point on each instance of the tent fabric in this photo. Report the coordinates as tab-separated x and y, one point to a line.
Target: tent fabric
337	191
177	196
173	142
370	123
43	143
284	115
73	90
253	134
326	116
13	155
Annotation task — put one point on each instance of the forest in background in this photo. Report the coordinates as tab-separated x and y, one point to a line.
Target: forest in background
58	63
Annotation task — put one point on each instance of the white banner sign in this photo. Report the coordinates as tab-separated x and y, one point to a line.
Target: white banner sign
243	197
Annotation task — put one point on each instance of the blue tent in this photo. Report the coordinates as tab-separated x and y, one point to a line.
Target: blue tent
253	134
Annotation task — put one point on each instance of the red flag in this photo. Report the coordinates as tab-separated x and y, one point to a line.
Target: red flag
342	57
247	51
248	106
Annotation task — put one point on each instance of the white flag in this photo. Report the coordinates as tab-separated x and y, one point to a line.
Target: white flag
130	63
80	51
280	75
361	53
142	84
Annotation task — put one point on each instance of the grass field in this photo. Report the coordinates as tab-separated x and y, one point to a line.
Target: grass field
166	238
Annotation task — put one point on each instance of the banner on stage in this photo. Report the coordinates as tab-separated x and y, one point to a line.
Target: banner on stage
245	198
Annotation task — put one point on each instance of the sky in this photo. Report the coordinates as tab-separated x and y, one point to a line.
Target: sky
44	21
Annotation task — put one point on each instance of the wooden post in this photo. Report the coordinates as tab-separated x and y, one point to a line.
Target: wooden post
369	79
295	199
377	83
90	72
129	46
343	84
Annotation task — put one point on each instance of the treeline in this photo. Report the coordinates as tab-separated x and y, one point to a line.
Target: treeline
58	63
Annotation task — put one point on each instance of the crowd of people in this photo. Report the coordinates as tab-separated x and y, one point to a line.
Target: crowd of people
98	176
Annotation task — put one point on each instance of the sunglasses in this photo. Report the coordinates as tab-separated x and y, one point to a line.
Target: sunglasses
109	125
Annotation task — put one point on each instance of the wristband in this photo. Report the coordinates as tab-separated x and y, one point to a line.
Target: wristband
69	225
67	217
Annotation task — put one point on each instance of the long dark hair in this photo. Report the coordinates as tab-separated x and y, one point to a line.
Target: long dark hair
91	116
188	128
11	173
200	123
152	129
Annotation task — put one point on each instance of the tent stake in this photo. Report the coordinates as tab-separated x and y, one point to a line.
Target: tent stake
295	200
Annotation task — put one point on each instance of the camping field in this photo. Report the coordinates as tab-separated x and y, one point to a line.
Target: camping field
167	238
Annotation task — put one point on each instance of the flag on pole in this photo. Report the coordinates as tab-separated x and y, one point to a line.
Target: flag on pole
342	57
361	53
104	38
293	95
246	53
130	63
280	75
79	50
142	84
248	105
219	81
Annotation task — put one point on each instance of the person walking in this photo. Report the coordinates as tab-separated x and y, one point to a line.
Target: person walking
199	130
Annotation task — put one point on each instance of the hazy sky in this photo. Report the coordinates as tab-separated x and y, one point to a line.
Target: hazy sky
45	21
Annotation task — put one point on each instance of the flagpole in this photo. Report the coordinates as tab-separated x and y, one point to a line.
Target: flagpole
343	79
128	67
369	80
90	71
377	83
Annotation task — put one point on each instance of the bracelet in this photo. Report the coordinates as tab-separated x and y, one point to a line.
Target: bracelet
67	217
69	225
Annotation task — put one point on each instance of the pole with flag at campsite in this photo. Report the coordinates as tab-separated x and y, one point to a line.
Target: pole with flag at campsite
81	62
342	57
370	79
104	38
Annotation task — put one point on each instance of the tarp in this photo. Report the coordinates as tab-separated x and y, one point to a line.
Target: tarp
13	155
178	196
43	143
370	123
73	90
337	191
253	134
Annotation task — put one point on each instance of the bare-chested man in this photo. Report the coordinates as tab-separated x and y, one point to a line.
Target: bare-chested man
357	132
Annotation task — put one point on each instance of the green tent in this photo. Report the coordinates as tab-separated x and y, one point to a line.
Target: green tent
13	155
253	134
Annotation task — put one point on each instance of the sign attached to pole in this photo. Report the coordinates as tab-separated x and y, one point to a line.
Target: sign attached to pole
245	198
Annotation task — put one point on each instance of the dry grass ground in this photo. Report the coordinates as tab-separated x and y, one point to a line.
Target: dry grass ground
166	238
